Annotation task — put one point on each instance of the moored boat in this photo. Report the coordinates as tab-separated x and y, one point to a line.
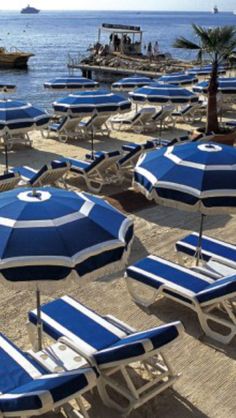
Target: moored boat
14	58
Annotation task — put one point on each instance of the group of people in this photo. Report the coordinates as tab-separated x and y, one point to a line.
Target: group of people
152	50
116	41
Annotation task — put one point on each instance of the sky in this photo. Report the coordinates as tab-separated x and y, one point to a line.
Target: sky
178	5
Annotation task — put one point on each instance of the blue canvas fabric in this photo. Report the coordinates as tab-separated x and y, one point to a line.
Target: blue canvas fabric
225	86
129	83
74	231
162	93
96	336
210	247
178	78
15	114
84	167
86	103
72	82
25	386
220	288
193	176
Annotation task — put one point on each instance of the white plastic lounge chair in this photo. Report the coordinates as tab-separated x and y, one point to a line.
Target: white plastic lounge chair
97	124
98	172
138	122
47	175
189	113
132	152
211	249
8	181
66	128
163	118
211	299
27	389
17	138
111	346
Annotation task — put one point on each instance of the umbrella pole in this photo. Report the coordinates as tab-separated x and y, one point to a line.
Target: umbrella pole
199	245
92	144
6	157
39	322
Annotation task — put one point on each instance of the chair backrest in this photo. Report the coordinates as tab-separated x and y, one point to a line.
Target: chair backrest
146	114
96	121
103	160
221	288
134	151
8	181
49	174
166	111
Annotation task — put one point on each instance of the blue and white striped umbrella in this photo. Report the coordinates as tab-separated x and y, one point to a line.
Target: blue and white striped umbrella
50	234
206	70
86	103
72	82
178	78
159	93
225	86
131	83
16	115
197	177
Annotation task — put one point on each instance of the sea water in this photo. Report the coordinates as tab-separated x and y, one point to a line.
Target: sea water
51	36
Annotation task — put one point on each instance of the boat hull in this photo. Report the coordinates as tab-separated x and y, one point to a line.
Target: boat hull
14	60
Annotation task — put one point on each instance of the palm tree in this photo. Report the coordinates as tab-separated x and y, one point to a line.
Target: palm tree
217	44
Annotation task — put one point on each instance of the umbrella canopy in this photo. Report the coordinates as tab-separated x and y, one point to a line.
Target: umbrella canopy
47	235
130	83
16	115
196	177
178	78
225	86
72	82
86	103
159	93
206	70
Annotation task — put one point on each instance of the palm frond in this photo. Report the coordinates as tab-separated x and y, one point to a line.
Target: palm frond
184	43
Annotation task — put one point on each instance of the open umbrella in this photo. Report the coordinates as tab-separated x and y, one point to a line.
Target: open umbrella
86	103
52	236
19	117
160	93
206	70
178	78
198	177
71	83
131	83
225	86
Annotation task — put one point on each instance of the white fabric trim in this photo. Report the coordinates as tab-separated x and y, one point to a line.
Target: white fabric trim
19	358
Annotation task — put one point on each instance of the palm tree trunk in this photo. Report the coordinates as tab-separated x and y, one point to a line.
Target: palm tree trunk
212	119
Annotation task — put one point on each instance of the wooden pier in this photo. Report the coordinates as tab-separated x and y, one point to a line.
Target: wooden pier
88	71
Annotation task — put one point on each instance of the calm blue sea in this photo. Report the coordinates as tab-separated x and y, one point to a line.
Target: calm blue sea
52	35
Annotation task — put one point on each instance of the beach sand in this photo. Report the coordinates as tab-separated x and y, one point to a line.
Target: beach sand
207	384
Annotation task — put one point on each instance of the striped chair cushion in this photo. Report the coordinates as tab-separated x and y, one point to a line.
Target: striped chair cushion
178	281
25	386
211	247
97	336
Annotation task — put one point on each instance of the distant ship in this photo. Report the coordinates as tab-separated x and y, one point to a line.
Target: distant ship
215	10
30	10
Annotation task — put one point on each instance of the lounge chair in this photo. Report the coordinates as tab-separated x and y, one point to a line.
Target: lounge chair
211	249
111	345
96	172
47	175
8	181
189	113
138	122
97	124
65	128
132	153
28	389
16	138
163	118
211	299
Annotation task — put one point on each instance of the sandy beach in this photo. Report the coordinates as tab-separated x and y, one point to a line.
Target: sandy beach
207	384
